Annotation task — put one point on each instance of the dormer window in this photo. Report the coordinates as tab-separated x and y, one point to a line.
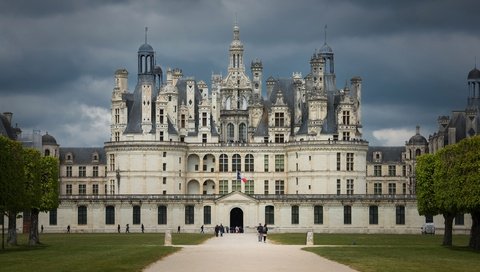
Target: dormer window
95	157
69	157
377	156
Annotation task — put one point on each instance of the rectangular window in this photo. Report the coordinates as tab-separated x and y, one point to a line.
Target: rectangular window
164	180
164	166
392	171
117	136
269	215
249	187
136	215
82	215
182	121
189	214
377	170
339	161
279	138
223	163
69	171
392	188
249	163
459	220
400	215
236	163
349	186
318	215
347	215
68	190
117	116
161	136
204	138
339	187
82	189
346	136
279	187
404	170
95	189
265	163
377	188
279	119
349	161
265	187
112	162
109	215
161	116
162	215
346	117
204	119
279	163
373	215
82	171
95	171
52	217
236	185
223	187
295	215
207	215
404	188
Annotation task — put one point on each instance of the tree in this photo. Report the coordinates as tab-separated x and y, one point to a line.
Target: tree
425	169
12	185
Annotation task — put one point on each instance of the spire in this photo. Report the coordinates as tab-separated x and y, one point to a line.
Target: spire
325	39
146	29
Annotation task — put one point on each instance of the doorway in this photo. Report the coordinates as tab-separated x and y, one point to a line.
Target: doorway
236	218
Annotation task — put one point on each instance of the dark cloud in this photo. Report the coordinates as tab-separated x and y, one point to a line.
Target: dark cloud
57	58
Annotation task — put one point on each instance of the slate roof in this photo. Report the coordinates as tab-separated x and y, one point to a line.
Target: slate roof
83	155
392	154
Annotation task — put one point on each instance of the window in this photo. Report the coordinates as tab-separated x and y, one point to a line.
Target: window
346	136
230	132
182	121
249	187
346	117
318	215
95	189
249	163
279	138
404	188
242	133
68	189
207	215
269	215
347	215
82	189
164	166
279	187
223	163
265	163
204	119
69	171
377	188
223	187
236	163
279	119
428	218
112	186
279	163
338	161
161	136
95	171
204	138
236	185
404	170
349	161
112	162
295	215
349	186
459	220
136	215
161	116
392	171
117	136
373	215
189	214
117	116
339	187
162	215
392	188
164	180
82	171
377	170
52	217
82	215
265	187
400	215
109	215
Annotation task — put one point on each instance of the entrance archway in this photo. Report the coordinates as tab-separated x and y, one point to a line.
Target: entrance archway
236	218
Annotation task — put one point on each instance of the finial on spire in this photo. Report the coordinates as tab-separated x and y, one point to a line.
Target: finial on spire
236	19
146	29
325	40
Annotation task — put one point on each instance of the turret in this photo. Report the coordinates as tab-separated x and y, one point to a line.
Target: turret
257	73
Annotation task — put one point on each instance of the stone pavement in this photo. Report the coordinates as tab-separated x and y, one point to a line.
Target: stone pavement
243	252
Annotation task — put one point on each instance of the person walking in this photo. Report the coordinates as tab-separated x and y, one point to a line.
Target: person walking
143	229
178	229
68	229
265	230
201	229
118	228
260	232
127	229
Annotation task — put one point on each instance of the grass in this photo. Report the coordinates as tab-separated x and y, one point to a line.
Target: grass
383	252
92	252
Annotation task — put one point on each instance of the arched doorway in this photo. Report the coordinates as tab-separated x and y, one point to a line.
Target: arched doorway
236	218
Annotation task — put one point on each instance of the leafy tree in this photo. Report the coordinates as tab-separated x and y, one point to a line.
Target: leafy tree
425	169
12	185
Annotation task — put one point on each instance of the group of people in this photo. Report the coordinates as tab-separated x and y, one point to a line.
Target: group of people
219	230
127	228
262	232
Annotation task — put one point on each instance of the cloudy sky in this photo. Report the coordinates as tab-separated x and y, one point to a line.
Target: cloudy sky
57	58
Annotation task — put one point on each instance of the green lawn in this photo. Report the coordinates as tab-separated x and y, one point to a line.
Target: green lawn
383	252
92	252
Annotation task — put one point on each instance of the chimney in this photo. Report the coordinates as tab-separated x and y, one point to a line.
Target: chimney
8	115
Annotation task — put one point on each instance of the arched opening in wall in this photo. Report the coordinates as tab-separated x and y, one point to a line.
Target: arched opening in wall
208	163
236	218
209	187
193	163
193	187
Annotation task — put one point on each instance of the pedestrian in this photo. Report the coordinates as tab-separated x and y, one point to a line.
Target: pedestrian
143	229
201	229
127	229
260	232
178	229
216	231
118	228
41	228
221	229
265	230
68	229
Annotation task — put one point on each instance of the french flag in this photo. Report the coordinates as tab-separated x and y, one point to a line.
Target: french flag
239	177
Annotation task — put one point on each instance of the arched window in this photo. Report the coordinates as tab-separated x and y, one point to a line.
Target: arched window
223	163
47	152
230	132
249	163
418	152
109	215
236	163
242	133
